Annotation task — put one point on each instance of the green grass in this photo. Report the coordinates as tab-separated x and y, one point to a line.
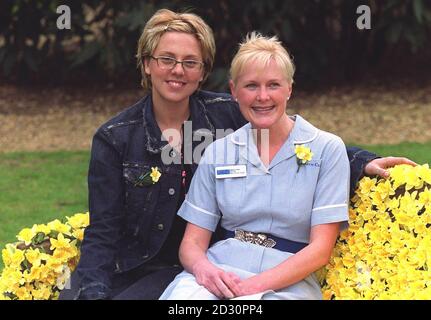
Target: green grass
37	187
418	152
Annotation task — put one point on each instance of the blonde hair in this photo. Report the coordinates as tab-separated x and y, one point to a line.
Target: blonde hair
257	47
165	20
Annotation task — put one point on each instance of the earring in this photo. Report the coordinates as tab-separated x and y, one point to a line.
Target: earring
288	98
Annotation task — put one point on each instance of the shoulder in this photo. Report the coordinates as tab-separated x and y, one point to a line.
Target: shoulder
323	142
216	103
131	116
210	98
329	139
221	109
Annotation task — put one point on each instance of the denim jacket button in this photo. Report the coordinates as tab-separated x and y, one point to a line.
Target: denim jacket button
171	191
160	226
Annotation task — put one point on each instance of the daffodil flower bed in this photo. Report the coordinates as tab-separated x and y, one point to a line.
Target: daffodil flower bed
38	266
386	251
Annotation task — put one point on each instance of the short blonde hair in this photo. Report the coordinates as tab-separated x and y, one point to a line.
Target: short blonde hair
257	47
165	20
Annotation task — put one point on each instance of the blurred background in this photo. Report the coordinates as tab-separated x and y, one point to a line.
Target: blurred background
371	87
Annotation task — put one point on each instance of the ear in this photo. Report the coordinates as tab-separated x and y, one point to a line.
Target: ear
290	90
232	89
146	64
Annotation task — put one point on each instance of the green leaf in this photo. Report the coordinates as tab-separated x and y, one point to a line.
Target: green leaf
26	265
38	238
15	9
89	51
393	33
53	234
3	52
9	62
418	9
29	58
143	180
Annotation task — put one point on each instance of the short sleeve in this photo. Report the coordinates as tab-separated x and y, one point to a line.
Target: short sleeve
331	197
200	206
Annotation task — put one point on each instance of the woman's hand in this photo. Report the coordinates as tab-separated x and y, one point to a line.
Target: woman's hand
217	281
379	166
249	286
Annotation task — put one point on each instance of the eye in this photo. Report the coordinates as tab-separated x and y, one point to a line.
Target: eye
167	60
251	86
274	85
190	64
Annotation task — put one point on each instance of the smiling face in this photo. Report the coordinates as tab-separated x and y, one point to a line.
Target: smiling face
262	92
175	85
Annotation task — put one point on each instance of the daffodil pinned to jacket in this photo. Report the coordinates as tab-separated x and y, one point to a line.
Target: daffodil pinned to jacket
303	155
148	178
155	174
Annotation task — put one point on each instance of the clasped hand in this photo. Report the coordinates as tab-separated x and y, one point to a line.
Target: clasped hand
224	285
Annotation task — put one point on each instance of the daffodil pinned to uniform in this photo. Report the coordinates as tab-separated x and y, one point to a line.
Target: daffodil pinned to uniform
148	178
303	155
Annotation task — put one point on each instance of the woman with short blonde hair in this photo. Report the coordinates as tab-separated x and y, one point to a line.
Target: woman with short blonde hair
165	20
256	47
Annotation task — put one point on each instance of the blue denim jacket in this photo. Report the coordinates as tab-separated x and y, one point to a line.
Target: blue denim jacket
129	222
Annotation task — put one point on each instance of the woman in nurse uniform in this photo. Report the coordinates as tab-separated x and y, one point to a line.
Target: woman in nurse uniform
278	186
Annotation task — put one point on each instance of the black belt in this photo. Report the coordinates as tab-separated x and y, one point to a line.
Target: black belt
265	240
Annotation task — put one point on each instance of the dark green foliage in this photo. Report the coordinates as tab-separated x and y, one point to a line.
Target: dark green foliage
321	35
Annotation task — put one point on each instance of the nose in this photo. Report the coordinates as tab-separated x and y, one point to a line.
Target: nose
178	69
262	95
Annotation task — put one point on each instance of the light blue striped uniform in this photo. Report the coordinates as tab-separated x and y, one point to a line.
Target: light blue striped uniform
279	200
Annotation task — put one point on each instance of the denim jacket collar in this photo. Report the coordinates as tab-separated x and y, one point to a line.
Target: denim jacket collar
201	125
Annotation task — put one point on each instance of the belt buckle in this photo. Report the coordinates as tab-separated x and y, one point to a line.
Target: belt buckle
255	238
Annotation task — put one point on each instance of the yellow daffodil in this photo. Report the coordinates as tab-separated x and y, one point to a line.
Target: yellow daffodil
56	225
39	269
79	220
26	235
41	228
384	254
303	153
155	174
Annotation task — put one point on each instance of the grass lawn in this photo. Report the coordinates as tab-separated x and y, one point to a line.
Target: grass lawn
37	187
418	152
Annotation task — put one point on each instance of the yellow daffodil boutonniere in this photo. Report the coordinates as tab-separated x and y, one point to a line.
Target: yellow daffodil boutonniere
155	174
385	252
38	266
303	155
148	178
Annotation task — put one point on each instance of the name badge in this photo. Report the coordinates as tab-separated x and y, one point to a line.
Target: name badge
231	172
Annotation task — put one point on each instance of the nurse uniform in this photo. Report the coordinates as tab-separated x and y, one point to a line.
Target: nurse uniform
284	200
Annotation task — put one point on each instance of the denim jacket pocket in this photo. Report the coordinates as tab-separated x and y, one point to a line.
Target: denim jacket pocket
138	197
